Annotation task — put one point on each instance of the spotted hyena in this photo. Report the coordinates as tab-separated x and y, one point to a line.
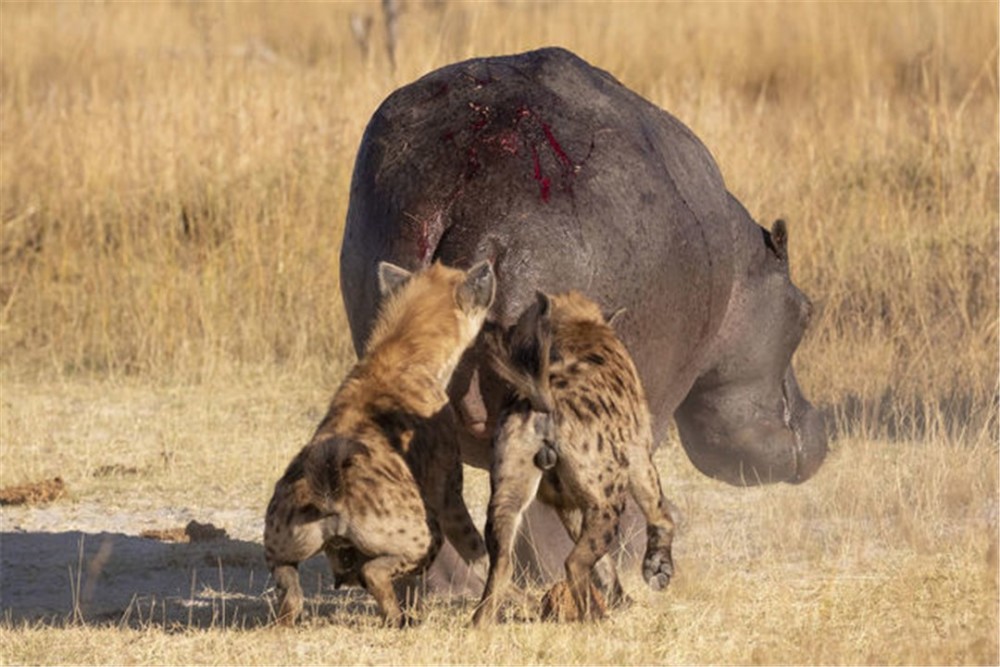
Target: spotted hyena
373	489
577	435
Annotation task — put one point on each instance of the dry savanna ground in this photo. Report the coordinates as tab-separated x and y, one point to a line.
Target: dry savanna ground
173	185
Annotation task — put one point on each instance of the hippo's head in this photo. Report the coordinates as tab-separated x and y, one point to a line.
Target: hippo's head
745	420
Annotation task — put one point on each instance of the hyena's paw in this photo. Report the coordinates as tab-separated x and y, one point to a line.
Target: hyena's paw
558	605
290	607
658	568
605	577
289	592
403	621
620	601
520	607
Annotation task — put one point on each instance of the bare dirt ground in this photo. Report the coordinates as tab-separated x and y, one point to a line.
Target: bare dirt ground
91	551
60	562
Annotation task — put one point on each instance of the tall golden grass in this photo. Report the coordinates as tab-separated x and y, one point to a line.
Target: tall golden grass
173	185
175	176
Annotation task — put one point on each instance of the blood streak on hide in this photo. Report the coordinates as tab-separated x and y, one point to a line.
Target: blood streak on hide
543	181
556	148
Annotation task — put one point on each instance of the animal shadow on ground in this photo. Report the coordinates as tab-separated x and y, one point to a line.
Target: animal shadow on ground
101	578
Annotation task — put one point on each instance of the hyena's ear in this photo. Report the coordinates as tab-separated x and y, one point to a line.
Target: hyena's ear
478	288
543	333
391	278
615	317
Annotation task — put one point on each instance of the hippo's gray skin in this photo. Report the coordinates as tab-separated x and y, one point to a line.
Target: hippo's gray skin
566	179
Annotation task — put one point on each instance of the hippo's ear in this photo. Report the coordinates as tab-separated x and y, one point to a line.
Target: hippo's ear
391	278
779	239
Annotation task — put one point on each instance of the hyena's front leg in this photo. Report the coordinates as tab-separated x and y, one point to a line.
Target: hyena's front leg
644	483
435	458
514	480
456	523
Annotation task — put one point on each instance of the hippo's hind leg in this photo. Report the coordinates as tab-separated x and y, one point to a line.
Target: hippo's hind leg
644	483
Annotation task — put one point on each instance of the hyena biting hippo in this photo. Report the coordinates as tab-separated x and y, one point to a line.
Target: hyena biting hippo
371	488
576	434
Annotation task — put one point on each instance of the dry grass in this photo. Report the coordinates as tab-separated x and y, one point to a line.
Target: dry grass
884	557
173	181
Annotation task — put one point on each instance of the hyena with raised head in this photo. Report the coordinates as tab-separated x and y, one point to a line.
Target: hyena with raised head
576	434
372	488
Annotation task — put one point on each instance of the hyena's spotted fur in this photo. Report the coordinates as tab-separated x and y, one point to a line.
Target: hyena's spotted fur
576	435
373	489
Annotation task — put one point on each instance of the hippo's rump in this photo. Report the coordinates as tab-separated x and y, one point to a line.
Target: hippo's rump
566	180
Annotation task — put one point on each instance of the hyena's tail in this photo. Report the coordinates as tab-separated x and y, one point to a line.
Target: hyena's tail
521	356
322	471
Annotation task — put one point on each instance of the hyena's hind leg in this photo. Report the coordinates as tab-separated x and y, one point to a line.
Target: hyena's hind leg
605	574
378	576
644	483
585	601
290	598
290	537
514	481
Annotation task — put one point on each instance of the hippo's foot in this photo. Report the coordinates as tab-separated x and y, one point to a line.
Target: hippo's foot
558	604
658	568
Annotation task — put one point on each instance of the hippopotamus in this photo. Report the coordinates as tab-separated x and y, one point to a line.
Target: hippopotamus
565	180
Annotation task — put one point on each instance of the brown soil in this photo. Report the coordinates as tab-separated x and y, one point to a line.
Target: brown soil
192	532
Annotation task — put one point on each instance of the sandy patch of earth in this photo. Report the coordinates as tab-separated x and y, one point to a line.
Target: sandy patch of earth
86	559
